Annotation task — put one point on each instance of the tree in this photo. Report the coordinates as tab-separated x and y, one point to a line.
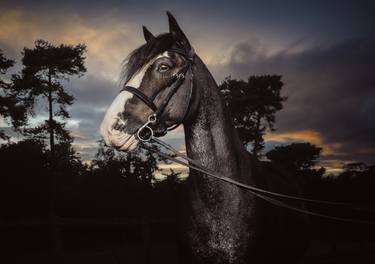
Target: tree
296	156
123	181
253	105
45	66
11	104
138	166
299	160
355	167
24	178
166	194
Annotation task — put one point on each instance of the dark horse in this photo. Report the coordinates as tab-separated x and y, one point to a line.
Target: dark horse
220	223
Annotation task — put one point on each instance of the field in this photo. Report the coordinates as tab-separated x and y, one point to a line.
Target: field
99	241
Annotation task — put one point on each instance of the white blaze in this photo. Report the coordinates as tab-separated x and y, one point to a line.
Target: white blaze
110	118
116	138
137	78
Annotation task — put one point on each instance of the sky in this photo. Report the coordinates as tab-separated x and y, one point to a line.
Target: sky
323	49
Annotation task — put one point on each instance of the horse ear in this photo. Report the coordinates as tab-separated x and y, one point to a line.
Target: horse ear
147	34
177	33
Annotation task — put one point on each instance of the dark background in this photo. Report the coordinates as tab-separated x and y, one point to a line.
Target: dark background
74	200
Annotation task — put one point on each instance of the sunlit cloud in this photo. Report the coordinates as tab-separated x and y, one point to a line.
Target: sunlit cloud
109	40
78	135
333	166
313	137
310	136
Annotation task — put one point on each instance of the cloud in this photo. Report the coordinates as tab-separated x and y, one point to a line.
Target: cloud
109	39
328	68
310	136
330	91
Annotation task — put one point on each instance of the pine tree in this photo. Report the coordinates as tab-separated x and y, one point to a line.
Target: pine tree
12	103
45	66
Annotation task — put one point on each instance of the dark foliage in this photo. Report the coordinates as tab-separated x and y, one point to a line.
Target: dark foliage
13	104
44	66
253	105
114	185
296	156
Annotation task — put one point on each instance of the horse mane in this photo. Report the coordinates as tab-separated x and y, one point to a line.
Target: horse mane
140	56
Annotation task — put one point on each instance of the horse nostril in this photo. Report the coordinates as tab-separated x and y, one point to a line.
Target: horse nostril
119	124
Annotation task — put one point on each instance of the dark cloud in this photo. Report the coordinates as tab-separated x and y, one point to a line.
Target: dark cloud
325	19
330	89
92	90
93	95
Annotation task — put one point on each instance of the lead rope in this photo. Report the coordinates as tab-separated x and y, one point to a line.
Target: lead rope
259	192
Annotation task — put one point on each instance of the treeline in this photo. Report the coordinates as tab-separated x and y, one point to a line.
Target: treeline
41	171
114	185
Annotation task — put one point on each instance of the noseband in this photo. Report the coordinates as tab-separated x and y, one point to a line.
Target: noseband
173	84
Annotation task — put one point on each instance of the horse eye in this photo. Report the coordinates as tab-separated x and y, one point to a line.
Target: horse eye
163	68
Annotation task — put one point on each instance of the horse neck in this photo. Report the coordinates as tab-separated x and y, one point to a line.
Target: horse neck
210	136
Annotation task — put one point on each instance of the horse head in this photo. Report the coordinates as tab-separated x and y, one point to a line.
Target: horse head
158	81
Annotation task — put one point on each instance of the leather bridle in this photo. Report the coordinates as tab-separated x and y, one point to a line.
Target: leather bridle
145	133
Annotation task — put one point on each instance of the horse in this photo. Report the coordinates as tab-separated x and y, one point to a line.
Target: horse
167	84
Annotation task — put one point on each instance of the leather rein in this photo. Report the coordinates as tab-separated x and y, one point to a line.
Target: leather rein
146	135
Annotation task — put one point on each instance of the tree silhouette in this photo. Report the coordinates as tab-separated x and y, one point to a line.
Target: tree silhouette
11	104
355	167
126	178
24	178
299	159
253	104
138	166
170	184
166	193
45	66
5	63
296	156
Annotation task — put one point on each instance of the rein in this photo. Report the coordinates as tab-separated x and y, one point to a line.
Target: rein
146	134
264	194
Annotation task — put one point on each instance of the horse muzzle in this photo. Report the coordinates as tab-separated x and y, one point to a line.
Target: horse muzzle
115	136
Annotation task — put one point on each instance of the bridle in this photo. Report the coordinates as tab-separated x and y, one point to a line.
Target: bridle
145	133
274	198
